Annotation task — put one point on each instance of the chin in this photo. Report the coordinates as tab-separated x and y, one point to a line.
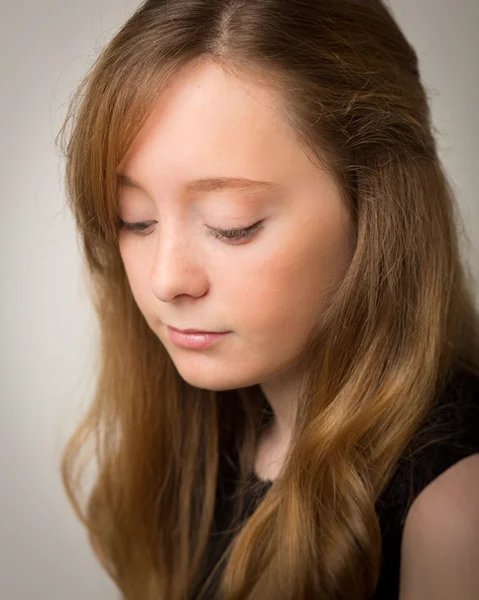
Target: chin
214	383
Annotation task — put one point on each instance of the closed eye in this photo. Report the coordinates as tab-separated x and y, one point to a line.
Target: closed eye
235	234
141	227
136	227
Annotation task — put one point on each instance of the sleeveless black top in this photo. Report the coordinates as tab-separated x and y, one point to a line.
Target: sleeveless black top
454	419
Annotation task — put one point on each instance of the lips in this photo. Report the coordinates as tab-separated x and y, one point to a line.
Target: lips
194	340
197	331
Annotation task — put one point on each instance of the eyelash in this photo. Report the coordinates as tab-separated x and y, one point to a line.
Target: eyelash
221	234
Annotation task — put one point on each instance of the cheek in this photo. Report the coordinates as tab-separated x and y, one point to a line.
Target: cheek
286	292
137	277
271	298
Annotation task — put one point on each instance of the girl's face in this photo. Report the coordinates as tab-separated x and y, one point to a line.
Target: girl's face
267	289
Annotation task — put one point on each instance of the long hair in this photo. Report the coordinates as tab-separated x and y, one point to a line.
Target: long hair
382	350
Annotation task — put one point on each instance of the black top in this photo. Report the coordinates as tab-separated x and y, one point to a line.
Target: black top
454	418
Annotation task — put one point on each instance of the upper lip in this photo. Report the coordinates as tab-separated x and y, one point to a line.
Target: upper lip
194	330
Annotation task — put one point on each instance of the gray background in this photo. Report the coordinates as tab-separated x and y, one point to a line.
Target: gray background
47	326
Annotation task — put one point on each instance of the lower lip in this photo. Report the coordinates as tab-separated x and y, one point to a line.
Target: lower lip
194	340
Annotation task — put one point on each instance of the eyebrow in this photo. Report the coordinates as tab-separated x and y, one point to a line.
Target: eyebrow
211	184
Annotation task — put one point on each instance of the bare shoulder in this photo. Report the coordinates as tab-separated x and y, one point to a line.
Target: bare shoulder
440	544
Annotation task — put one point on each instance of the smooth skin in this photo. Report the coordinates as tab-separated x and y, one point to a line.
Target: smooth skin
267	289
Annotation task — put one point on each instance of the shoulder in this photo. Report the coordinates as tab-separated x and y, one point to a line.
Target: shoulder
448	434
440	542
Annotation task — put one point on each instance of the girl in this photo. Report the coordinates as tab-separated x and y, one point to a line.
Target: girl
288	396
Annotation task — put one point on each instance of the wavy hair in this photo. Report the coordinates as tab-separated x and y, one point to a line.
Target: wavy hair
383	348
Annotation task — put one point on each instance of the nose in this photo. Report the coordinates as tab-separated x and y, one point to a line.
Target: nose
177	267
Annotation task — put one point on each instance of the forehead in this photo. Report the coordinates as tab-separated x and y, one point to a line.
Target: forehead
212	131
